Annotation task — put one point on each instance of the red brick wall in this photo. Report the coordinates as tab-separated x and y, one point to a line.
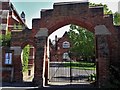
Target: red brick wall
16	64
7	69
31	56
63	14
5	5
82	15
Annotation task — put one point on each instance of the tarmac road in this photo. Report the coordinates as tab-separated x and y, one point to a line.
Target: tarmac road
59	73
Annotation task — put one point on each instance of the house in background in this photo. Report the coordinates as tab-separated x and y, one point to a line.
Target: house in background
10	19
59	52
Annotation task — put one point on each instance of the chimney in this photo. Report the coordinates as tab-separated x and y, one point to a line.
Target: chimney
23	16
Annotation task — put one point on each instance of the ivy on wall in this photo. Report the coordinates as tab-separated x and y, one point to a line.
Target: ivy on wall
5	39
26	51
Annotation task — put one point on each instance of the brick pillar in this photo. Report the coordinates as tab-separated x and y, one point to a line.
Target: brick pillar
18	77
103	60
103	73
41	40
103	55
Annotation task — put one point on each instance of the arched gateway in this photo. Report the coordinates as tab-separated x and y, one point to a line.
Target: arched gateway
78	13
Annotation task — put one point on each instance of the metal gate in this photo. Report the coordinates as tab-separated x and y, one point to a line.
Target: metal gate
69	72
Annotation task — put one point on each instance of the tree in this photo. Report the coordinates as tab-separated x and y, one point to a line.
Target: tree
107	10
1	40
116	15
82	42
105	7
5	39
116	18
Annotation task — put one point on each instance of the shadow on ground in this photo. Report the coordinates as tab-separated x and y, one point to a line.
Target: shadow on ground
66	87
25	85
16	84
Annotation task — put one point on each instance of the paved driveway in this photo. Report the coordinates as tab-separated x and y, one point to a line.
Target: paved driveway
59	73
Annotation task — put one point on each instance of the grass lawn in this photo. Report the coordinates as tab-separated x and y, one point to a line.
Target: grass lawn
81	65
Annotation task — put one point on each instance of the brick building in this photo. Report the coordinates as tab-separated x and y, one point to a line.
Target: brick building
11	21
59	52
78	13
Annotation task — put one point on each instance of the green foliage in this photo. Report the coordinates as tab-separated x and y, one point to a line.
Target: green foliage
80	65
117	18
1	40
116	15
92	77
82	42
25	58
19	26
5	39
15	26
105	7
8	36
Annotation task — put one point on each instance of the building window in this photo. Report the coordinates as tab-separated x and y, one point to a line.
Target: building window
29	72
66	56
66	44
8	58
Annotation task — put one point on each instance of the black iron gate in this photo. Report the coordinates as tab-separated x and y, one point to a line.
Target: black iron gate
70	72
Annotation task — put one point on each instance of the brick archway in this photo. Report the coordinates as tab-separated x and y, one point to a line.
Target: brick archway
28	42
31	61
79	13
68	20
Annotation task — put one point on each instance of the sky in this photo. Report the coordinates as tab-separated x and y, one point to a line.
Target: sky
32	9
